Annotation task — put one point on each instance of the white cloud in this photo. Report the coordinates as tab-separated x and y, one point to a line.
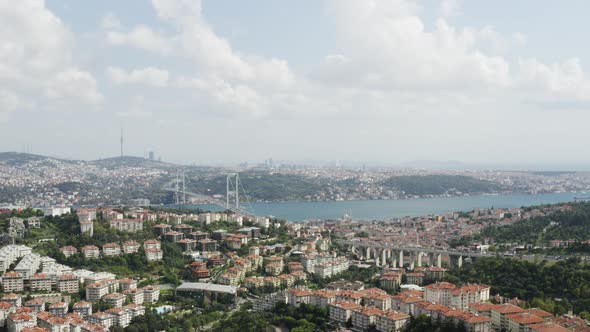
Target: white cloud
519	38
35	53
390	48
386	56
9	102
110	21
147	76
141	37
74	84
449	7
557	81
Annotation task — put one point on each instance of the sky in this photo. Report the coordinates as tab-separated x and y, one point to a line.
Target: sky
220	81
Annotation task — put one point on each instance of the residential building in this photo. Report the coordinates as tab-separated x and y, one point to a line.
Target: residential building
391	321
90	252
154	255
111	249
83	308
135	309
95	291
151	294
130	247
499	313
127	283
162	229
59	309
152	244
297	296
17	322
173	236
341	312
68	283
207	245
114	299
415	278
13	282
68	251
127	225
121	317
364	318
184	228
134	295
14	299
101	318
39	282
87	227
37	305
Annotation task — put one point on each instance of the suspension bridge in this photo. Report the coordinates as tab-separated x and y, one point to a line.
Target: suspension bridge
232	203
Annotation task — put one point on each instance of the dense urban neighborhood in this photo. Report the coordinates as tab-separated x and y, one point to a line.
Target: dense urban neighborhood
116	268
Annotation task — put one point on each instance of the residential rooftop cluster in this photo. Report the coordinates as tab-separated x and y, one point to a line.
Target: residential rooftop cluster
49	285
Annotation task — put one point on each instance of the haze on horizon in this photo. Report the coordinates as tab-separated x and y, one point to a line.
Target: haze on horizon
220	81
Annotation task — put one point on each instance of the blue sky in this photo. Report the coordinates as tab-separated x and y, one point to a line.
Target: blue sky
223	81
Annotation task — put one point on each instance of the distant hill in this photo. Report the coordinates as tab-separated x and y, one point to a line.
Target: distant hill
129	161
17	158
440	184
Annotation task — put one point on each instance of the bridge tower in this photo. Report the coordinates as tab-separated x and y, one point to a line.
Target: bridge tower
232	179
180	193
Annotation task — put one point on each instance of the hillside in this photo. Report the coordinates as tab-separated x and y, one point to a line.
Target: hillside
440	184
572	224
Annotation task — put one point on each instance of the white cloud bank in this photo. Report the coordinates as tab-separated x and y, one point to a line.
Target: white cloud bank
36	59
147	76
386	56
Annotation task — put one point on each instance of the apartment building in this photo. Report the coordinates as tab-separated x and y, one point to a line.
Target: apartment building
173	236
115	299
39	282
58	309
111	249
121	317
295	297
322	298
457	297
13	282
90	252
134	295
95	291
499	315
68	251
207	245
151	294
162	229
415	278
152	244
101	318
341	312
392	321
364	318
18	322
127	225
83	308
154	255
127	283
130	247
68	283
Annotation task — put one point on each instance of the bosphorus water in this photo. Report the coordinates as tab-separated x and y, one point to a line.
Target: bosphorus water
385	209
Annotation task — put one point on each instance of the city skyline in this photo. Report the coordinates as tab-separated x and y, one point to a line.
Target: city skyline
367	81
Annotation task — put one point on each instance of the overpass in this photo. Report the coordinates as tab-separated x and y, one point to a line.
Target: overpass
397	255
